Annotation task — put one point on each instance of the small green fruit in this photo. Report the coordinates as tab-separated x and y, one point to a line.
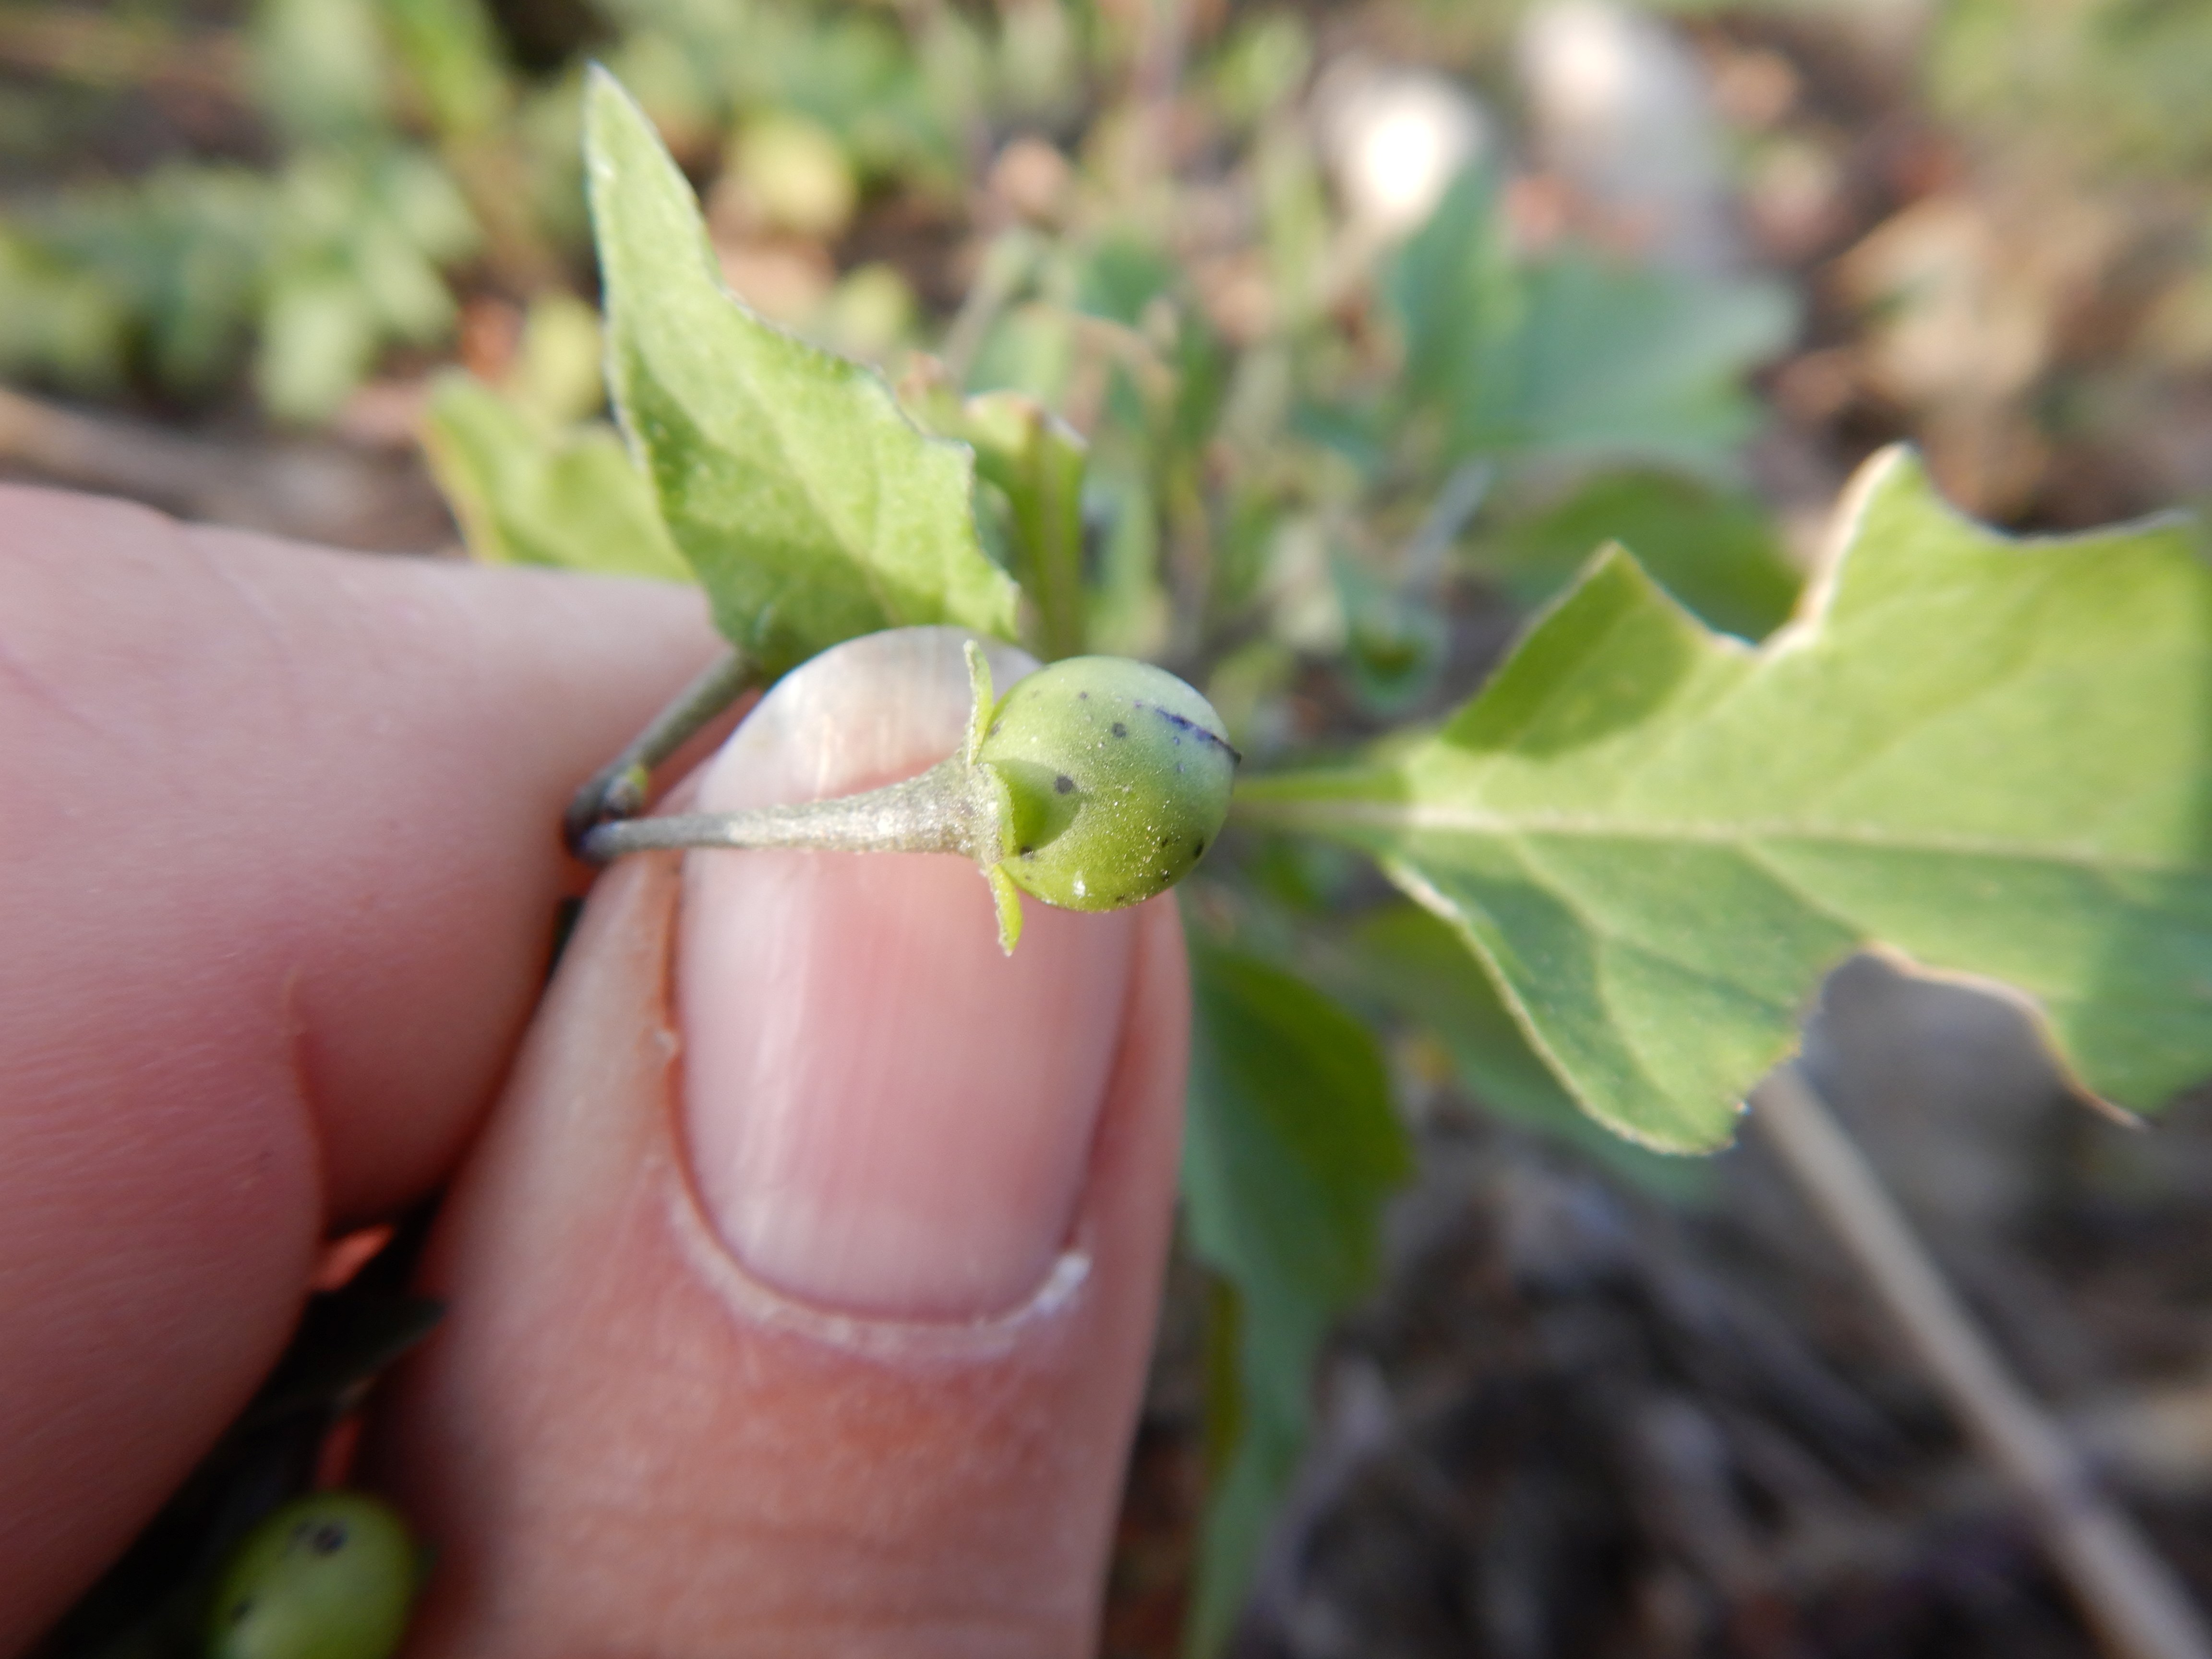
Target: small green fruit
1120	775
326	1577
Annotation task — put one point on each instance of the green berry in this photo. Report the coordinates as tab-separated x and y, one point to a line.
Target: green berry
1119	777
326	1577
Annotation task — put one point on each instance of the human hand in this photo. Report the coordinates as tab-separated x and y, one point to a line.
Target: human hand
801	1283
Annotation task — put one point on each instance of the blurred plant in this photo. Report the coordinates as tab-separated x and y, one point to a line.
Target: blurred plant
314	266
388	158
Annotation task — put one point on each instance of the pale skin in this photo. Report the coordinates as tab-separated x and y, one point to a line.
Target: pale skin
797	1308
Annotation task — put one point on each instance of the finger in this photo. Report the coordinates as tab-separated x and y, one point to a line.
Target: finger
282	856
801	1288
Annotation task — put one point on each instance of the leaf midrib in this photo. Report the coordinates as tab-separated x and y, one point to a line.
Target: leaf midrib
1744	835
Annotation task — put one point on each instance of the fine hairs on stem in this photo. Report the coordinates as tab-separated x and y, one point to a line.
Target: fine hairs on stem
947	808
1095	783
619	789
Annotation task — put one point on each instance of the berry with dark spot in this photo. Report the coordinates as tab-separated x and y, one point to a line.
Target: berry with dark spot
1119	776
330	1575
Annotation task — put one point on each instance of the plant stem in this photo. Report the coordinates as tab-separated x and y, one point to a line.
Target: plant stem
617	790
1426	558
2130	1597
945	809
1008	264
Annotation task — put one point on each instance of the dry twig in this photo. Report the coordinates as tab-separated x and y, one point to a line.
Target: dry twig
2130	1597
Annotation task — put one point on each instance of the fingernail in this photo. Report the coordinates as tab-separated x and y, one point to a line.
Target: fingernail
886	1115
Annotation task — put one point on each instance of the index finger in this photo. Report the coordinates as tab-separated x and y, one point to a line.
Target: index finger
281	831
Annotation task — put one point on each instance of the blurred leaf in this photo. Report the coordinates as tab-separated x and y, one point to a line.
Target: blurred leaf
1572	355
1030	350
853	73
1394	641
328	261
868	314
796	175
58	322
173	260
556	375
1128	612
525	497
319	66
1633	362
1987	755
451	53
1715	551
1289	1151
1119	277
811	508
1456	292
318	342
353	264
1262	63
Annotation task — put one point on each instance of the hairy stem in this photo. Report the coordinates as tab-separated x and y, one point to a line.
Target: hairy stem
617	790
948	809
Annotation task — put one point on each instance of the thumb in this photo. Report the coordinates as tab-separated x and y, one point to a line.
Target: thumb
801	1288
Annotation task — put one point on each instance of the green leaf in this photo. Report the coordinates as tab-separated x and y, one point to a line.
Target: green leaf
1290	1149
811	508
524	495
1403	962
1988	756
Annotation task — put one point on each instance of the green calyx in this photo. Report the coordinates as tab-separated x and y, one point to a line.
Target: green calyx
1115	775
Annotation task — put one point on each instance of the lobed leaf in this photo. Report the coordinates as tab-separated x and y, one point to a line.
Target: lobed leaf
812	509
1986	755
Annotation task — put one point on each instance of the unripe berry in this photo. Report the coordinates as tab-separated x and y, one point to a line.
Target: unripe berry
330	1575
1120	774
